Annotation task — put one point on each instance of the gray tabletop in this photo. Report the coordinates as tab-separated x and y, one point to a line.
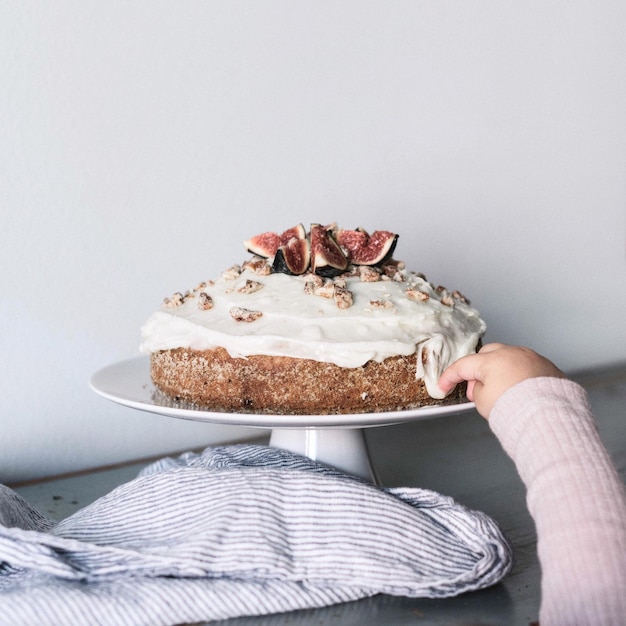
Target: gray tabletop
455	455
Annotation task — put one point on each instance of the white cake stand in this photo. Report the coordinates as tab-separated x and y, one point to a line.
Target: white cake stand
336	440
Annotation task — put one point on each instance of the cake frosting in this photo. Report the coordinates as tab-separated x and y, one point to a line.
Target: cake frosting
364	314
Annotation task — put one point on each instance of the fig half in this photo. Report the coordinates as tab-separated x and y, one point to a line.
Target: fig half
327	257
293	258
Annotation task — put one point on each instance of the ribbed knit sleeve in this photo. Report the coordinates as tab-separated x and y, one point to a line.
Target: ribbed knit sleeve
575	497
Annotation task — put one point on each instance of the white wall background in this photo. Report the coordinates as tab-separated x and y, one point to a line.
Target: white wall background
141	142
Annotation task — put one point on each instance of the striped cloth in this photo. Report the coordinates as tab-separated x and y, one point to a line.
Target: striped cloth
237	530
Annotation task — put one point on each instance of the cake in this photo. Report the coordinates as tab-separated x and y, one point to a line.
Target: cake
323	321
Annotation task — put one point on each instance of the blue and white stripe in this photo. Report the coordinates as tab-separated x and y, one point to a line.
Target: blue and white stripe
238	530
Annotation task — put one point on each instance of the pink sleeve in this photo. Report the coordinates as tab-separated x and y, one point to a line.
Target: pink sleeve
575	497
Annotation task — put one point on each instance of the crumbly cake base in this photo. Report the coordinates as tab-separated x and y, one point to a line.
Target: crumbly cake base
212	379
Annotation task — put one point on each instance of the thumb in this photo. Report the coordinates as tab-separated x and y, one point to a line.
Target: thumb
466	368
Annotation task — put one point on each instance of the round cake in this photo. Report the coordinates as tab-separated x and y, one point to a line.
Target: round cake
323	321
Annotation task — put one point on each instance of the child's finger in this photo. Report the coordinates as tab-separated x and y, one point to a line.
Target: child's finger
465	369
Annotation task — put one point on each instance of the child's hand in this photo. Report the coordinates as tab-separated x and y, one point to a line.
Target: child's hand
494	369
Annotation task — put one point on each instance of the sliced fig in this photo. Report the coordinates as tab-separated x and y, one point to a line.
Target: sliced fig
327	257
297	231
293	258
367	249
263	245
352	240
266	244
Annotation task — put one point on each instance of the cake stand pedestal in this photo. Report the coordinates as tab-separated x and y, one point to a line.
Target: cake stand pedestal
343	448
335	440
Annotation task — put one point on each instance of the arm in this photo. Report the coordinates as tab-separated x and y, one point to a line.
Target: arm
573	490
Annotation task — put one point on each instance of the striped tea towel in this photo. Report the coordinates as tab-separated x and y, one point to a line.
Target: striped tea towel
237	530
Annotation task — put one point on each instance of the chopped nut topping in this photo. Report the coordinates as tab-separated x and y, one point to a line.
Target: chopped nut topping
394	270
240	314
319	287
203	285
448	300
205	302
329	288
415	294
232	273
381	304
459	296
313	282
368	274
250	286
176	300
400	265
258	266
343	297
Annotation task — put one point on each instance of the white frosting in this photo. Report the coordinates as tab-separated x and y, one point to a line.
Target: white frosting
302	325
